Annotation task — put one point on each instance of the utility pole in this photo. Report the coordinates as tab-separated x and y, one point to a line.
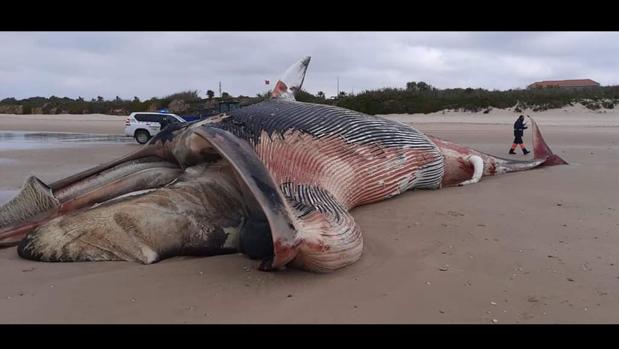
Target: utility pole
338	87
220	89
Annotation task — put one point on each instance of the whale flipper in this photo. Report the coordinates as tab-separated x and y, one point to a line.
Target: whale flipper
291	81
541	150
302	218
262	185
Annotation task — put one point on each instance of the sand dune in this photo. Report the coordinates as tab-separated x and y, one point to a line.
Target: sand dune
576	115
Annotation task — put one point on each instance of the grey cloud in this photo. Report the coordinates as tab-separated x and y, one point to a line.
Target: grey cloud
147	64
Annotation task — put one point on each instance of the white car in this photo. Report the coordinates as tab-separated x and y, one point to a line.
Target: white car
144	125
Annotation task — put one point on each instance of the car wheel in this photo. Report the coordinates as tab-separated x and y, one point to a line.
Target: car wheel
142	136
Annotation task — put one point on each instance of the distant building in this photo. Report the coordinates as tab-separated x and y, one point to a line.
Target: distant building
583	83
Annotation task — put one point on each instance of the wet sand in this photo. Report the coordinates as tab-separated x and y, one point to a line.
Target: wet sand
531	247
90	123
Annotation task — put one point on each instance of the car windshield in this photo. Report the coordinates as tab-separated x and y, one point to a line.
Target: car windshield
171	119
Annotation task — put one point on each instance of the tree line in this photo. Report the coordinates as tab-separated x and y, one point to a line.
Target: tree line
416	97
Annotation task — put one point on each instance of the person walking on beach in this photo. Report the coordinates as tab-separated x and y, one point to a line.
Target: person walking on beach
519	127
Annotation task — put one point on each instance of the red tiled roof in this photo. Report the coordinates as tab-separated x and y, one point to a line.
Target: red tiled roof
565	83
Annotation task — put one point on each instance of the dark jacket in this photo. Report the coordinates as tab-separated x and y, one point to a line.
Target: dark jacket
519	128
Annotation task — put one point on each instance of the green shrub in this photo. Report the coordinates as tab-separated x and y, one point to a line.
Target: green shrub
417	97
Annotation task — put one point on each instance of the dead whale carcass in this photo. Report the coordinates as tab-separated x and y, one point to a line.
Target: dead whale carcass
275	181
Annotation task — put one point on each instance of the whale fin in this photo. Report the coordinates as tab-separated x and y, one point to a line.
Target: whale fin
541	150
291	81
255	175
309	227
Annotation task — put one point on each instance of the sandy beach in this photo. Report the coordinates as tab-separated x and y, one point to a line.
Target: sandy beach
530	247
91	123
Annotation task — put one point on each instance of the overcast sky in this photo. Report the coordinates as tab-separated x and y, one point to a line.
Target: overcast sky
147	64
